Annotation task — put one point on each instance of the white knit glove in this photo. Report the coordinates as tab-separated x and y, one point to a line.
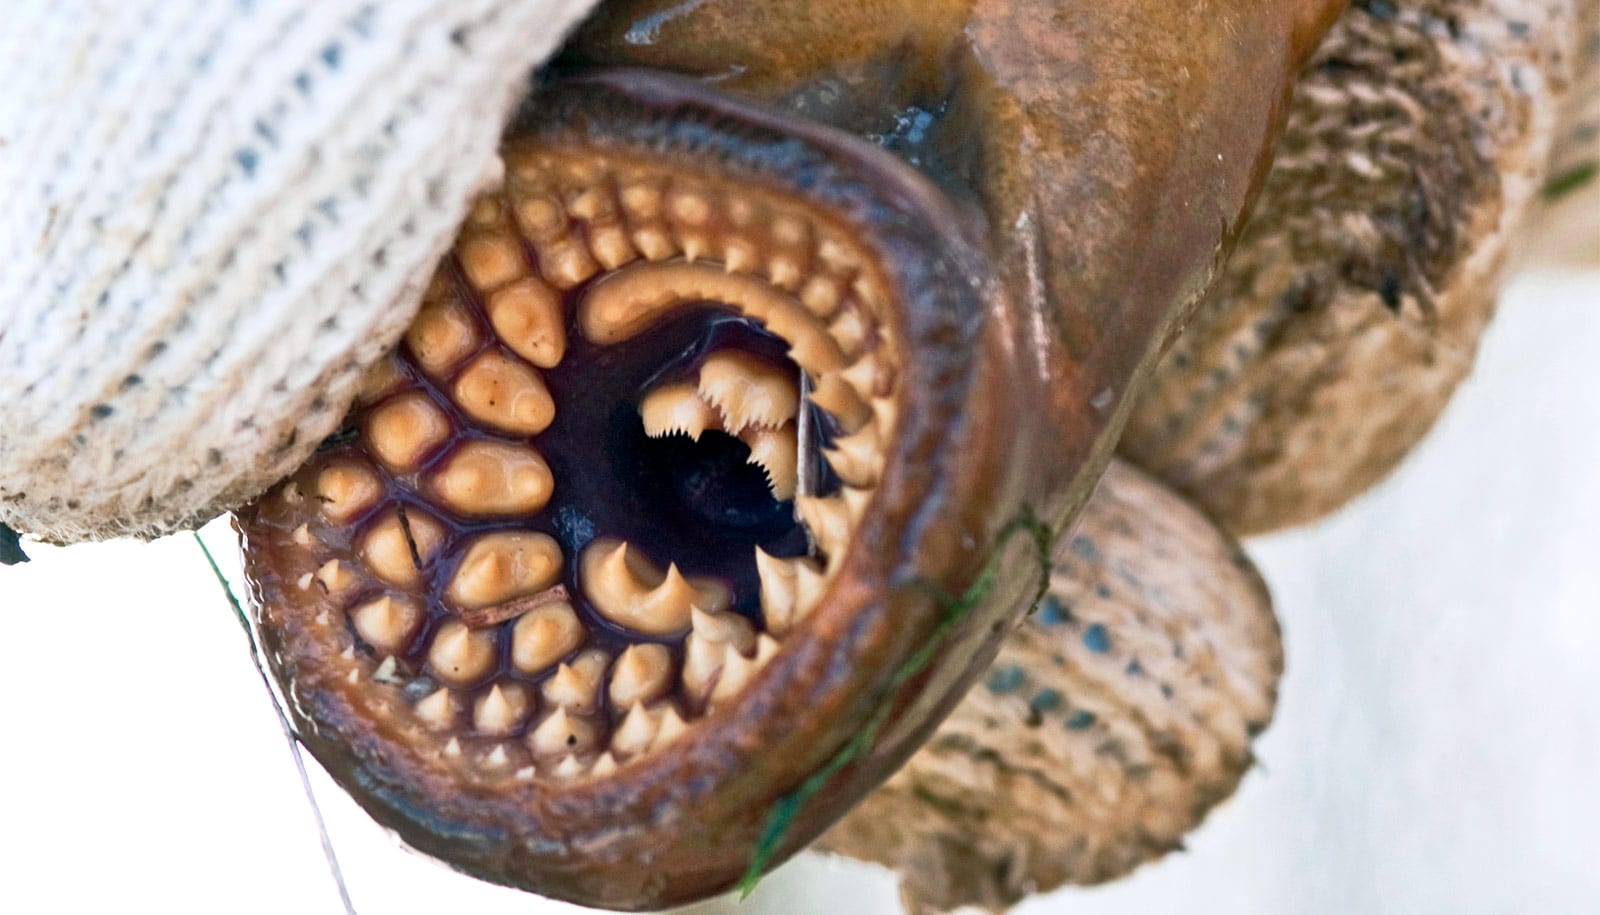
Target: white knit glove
215	214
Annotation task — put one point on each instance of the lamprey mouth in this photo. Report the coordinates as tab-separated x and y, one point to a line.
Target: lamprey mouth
542	589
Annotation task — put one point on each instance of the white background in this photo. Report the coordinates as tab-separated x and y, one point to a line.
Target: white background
1437	749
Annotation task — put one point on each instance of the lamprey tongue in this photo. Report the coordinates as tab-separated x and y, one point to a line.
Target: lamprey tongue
622	545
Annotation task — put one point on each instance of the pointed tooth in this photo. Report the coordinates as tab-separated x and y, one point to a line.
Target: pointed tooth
641	201
736	674
334	577
884	412
869	293
777	591
605	765
828	519
862	377
654	242
565	262
809	582
569	767
453	747
501	710
406	430
727	628
739	255
562	733
784	271
634	735
576	686
387	672
703	660
400	546
777	453
821	296
748	391
630	591
677	408
437	710
671	727
611	247
388	623
833	395
302	535
544	635
766	649
688	207
857	458
643	673
354	676
497	757
849	330
525	774
694	245
461	656
855	501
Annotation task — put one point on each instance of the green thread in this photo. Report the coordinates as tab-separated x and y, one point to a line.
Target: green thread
1570	180
955	610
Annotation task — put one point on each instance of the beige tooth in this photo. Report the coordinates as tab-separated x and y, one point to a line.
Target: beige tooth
688	207
703	660
437	710
790	231
727	628
884	412
389	672
541	218
864	377
453	748
291	494
525	774
777	452
497	757
561	732
870	292
527	316
605	765
404	432
828	520
784	271
857	458
388	623
543	636
461	656
748	391
654	243
634	735
631	591
397	551
494	478
505	393
501	710
491	260
766	649
569	767
849	329
821	296
676	408
694	245
670	728
855	501
565	262
442	335
643	673
736	674
777	590
501	566
610	246
346	489
838	255
641	201
576	686
302	536
739	255
590	204
809	583
334	578
833	395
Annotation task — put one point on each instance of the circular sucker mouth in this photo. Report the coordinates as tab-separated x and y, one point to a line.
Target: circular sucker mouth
619	460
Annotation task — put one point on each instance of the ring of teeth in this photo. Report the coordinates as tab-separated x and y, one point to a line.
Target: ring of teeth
434	565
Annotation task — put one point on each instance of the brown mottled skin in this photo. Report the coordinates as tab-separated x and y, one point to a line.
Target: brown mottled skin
1102	156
